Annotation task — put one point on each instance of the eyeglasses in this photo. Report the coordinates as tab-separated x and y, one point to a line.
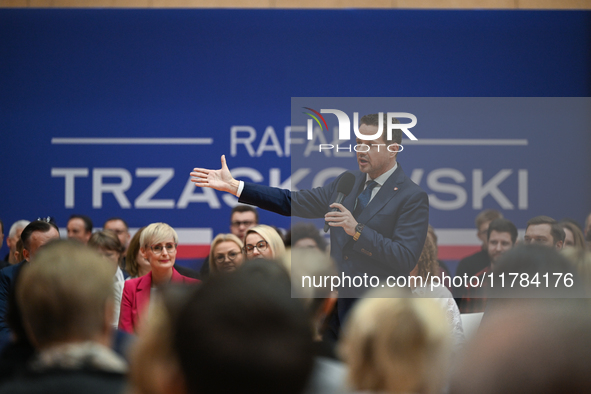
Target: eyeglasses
261	247
158	249
220	258
246	223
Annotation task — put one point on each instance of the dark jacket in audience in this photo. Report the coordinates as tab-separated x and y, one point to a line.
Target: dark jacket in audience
86	368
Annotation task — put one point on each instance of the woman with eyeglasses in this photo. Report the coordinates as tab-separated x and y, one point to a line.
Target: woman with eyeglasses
158	245
225	254
263	242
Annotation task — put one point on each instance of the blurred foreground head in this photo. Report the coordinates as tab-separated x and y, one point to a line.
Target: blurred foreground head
239	333
397	345
533	346
66	295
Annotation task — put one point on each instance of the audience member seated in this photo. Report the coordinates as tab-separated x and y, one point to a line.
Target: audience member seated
80	228
532	346
305	235
225	254
544	230
240	334
139	266
14	235
263	241
242	218
573	236
135	263
158	245
33	237
501	236
426	268
108	245
66	299
475	263
394	344
119	227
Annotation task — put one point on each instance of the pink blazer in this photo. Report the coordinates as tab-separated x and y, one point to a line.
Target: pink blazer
136	298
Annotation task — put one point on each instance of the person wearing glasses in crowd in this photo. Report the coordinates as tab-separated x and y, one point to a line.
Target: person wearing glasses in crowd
225	254
263	242
242	218
158	245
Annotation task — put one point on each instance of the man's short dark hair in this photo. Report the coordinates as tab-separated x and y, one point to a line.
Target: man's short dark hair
37	225
116	218
556	230
87	222
246	208
374	119
503	226
253	329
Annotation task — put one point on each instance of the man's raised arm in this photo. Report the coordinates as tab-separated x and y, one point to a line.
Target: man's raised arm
307	203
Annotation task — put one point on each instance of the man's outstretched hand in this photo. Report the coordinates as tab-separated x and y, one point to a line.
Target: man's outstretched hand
216	179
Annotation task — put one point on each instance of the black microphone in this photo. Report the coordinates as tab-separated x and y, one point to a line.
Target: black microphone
343	189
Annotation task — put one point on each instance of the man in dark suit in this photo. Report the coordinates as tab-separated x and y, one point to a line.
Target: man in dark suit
16	348
378	230
35	235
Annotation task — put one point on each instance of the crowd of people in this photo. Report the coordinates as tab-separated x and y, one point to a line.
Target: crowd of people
104	311
107	312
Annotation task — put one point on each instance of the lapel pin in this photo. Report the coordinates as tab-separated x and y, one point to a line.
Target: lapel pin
395	188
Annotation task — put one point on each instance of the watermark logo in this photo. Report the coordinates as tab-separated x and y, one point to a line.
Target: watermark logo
345	127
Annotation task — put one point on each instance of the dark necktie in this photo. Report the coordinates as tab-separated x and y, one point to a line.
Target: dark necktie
364	197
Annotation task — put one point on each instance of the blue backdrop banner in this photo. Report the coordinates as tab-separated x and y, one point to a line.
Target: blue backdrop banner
105	112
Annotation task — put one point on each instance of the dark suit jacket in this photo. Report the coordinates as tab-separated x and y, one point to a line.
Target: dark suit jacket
63	381
136	297
396	222
8	277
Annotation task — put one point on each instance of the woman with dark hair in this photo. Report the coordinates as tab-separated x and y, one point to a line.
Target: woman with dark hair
135	263
573	235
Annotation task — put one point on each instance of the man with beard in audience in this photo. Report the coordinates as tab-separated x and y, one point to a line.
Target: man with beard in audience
501	236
